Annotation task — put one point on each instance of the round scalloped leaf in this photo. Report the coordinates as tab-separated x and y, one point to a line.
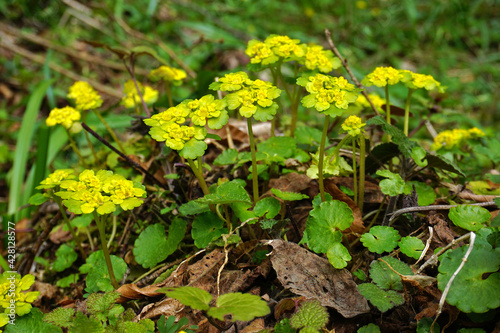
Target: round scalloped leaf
219	122
65	257
424	326
226	193
380	239
472	290
265	114
243	307
325	222
468	217
384	277
37	199
195	298
392	186
308	135
98	275
370	328
311	314
411	246
282	147
338	255
269	206
288	196
193	149
206	228
381	299
227	157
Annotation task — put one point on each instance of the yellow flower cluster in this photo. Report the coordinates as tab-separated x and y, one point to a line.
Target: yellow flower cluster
65	116
205	108
247	95
100	192
283	48
86	98
455	138
328	93
131	98
175	135
376	100
353	125
383	76
12	298
55	178
417	81
167	73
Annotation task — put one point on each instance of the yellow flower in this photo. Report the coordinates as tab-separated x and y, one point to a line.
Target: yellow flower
12	298
65	116
476	133
167	73
86	98
376	100
353	125
55	178
260	52
174	135
455	138
417	81
382	76
260	94
205	108
233	81
132	98
361	4
285	47
323	60
176	114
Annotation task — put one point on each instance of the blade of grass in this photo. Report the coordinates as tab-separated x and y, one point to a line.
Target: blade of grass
22	148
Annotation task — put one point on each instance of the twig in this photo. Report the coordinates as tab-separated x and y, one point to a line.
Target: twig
122	155
427	244
348	69
434	257
448	285
395	214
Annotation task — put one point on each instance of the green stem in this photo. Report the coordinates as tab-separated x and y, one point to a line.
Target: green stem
75	148
68	224
407	111
362	157
387	110
168	89
107	258
255	176
354	173
199	175
109	129
322	157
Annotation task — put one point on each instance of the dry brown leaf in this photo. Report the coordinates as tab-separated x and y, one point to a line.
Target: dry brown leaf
131	291
313	277
168	307
255	326
291	182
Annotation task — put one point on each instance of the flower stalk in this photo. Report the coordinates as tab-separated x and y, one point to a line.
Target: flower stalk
102	234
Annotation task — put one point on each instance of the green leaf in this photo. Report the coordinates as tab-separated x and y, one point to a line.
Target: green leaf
474	289
195	298
37	199
310	314
308	135
81	221
31	323
84	324
325	222
152	247
442	163
398	137
193	149
379	155
278	147
193	208
65	257
425	193
383	276
67	281
370	328
394	185
226	193
265	114
381	299
284	327
269	206
206	228
424	326
219	122
380	239
338	255
102	306
98	275
61	317
243	307
472	218
411	246
242	212
288	196
418	155
227	157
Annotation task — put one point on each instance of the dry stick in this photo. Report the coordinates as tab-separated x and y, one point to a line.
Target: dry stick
448	285
135	165
348	69
427	245
130	69
55	67
395	214
37	39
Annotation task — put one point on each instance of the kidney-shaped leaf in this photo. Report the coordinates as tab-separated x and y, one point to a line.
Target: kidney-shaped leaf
380	239
384	277
227	193
471	218
244	307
